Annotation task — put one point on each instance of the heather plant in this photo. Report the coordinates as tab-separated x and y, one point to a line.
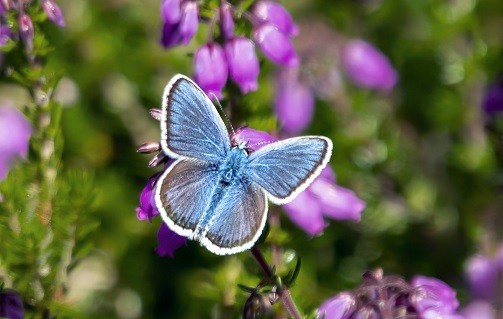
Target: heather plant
404	222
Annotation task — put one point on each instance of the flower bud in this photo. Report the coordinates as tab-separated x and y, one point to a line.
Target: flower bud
26	29
226	21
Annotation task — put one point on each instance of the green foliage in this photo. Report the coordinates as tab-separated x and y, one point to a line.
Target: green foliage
419	156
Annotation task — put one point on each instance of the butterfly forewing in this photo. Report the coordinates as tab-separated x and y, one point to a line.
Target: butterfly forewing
183	194
190	125
238	219
285	168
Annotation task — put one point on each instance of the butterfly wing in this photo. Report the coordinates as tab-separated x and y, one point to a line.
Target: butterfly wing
190	125
285	168
238	219
183	194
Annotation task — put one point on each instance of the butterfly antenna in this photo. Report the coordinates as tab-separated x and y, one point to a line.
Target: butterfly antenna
261	143
223	112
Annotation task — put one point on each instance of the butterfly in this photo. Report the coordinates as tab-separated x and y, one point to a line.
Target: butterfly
215	192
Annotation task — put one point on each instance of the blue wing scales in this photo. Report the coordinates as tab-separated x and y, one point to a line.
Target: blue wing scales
285	168
237	220
183	194
190	125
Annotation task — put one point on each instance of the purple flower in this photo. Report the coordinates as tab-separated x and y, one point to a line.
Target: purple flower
11	305
53	12
254	139
6	5
174	34
493	99
367	66
433	296
340	306
168	241
210	69
294	102
275	45
147	208
243	63
26	29
479	310
171	11
4	35
306	213
482	276
391	296
226	21
323	198
15	132
276	14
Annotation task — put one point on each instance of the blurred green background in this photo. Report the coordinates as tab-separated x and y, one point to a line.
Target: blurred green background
418	155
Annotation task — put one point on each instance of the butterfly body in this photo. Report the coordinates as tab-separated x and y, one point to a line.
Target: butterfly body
216	193
229	171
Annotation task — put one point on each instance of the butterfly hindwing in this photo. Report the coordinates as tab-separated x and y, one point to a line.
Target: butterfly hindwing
237	220
183	194
191	126
285	168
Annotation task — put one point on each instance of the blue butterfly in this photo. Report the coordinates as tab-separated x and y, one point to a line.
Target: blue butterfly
214	192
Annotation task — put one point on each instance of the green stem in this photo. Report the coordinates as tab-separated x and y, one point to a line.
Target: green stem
283	292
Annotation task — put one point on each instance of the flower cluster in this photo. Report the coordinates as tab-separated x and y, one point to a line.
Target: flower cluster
26	30
392	297
15	132
227	54
296	87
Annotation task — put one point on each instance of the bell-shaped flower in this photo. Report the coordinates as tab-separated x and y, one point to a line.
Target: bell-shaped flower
171	11
168	241
324	199
340	306
366	66
210	69
482	276
275	45
276	14
479	309
26	29
53	12
293	103
183	31
15	132
11	304
226	21
433	297
147	209
254	139
243	63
